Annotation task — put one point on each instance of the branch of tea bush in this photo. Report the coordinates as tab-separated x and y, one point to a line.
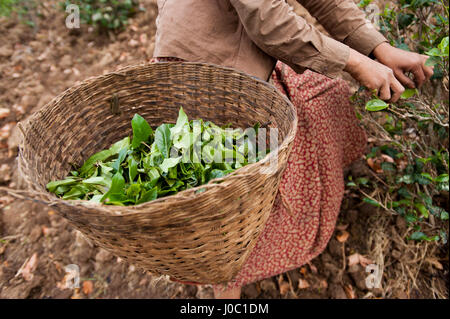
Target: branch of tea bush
409	157
416	114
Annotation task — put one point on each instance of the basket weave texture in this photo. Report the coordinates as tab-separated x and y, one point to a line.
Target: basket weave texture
194	236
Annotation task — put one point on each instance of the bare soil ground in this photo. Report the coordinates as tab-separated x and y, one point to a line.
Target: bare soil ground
36	64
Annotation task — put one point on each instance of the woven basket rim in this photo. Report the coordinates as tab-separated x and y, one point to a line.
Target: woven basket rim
52	199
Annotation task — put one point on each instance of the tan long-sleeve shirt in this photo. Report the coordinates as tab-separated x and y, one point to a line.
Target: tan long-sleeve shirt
250	35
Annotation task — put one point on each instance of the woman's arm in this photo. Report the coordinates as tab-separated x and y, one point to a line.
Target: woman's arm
374	76
281	33
346	23
278	31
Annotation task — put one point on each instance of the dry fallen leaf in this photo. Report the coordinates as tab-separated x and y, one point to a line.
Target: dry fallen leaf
342	226
365	261
6	200
45	231
303	270
356	259
312	267
76	294
343	236
88	287
303	284
401	164
143	38
28	267
387	158
143	282
370	162
323	284
349	292
4	112
284	288
374	165
6	129
353	259
58	266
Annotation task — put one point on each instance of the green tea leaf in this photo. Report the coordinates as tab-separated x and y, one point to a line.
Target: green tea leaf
118	183
169	163
418	236
181	125
96	199
435	52
443	46
432	61
118	146
129	174
133	191
97	157
409	93
117	189
98	180
442	178
162	139
75	193
376	105
132	168
141	131
371	202
55	184
422	209
148	196
120	159
216	173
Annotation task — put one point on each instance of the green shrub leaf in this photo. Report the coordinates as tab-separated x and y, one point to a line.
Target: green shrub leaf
376	105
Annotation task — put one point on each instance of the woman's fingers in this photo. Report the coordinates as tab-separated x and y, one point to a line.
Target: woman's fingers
397	88
419	75
385	92
391	89
404	79
428	70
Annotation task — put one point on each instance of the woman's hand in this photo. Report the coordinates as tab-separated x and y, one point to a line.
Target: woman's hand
402	62
374	76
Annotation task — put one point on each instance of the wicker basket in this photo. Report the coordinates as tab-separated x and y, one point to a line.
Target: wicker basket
194	236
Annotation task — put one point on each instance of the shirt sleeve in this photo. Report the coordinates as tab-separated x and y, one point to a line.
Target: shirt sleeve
346	23
281	33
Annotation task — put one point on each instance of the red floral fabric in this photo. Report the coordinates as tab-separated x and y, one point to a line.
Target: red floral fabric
311	190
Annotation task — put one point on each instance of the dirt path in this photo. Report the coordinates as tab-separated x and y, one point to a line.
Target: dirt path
36	244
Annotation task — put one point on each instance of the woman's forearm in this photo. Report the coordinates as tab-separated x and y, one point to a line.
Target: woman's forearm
346	23
278	31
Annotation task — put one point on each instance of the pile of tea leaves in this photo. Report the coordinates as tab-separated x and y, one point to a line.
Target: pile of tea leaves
161	162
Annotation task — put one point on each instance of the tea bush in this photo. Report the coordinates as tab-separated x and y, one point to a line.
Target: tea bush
409	159
26	10
105	15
